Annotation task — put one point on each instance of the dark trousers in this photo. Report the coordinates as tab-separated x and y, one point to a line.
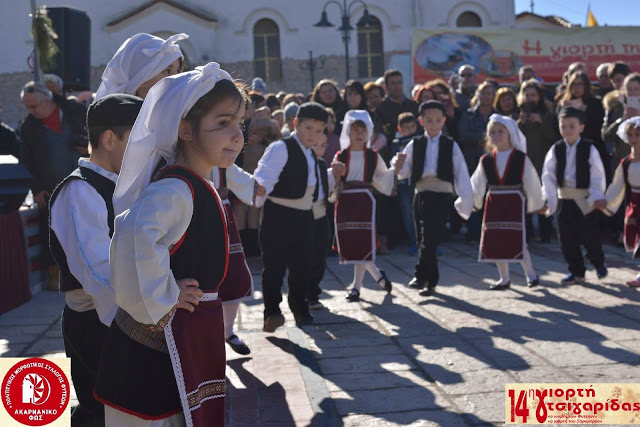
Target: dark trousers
575	229
319	256
430	212
286	239
83	334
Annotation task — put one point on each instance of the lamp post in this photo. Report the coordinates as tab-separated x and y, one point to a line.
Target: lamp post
345	11
311	65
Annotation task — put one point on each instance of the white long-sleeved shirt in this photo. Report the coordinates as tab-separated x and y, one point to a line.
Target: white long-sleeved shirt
530	182
239	181
79	219
616	191
141	276
549	179
383	179
462	185
273	161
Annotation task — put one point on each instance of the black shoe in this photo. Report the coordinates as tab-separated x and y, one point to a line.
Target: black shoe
534	282
353	295
273	322
387	283
497	286
417	284
431	290
238	345
303	319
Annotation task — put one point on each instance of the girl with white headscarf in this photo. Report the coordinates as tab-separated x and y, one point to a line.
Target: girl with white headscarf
169	254
141	62
626	182
355	205
510	177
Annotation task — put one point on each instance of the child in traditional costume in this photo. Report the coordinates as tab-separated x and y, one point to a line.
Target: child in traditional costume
141	62
573	181
81	226
288	171
163	362
504	179
355	205
436	165
626	184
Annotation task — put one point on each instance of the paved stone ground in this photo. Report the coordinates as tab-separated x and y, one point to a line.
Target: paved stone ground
406	359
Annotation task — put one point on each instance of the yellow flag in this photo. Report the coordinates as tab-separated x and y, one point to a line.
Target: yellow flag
591	20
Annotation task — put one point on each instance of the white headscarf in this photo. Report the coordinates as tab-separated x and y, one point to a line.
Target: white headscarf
139	59
349	118
622	129
155	133
518	140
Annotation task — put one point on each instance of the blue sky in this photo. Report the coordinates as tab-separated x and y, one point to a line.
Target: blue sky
610	12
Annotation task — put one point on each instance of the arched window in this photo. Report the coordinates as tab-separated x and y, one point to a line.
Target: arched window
469	19
370	54
266	50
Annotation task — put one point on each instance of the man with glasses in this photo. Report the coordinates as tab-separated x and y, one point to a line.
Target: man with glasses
54	136
467	87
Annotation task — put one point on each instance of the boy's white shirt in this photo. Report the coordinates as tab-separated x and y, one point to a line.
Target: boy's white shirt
79	219
272	162
597	181
461	180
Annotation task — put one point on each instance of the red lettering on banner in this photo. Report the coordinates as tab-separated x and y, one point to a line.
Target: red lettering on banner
527	49
584	51
631	48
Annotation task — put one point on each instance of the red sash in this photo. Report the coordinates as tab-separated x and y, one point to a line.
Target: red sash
632	221
503	231
355	226
238	284
199	361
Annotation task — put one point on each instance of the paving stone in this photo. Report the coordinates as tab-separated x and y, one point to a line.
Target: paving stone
411	418
381	401
365	364
487	407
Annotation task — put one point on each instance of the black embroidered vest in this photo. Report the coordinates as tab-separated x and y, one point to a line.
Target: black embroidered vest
105	188
583	171
445	158
292	183
513	172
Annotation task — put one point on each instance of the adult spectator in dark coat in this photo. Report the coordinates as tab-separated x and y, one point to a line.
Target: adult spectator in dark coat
9	143
54	136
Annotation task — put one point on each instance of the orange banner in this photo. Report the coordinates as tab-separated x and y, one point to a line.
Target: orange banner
499	53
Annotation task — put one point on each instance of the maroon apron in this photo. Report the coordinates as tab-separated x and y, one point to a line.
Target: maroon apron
199	360
355	226
503	227
237	285
632	220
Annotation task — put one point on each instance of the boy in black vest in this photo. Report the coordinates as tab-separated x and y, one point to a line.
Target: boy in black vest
573	173
437	167
80	230
288	171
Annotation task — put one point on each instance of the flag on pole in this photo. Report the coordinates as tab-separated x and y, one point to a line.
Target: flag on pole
591	20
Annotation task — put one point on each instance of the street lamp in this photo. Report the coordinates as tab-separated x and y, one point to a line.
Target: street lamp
346	27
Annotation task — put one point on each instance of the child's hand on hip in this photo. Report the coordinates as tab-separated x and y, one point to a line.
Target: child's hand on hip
189	294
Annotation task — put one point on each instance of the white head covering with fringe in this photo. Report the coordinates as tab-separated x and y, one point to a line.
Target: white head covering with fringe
351	117
155	133
622	129
139	59
518	140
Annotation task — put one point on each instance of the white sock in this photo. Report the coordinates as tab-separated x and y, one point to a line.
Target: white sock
358	276
527	265
503	270
229	312
374	271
